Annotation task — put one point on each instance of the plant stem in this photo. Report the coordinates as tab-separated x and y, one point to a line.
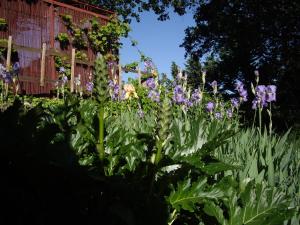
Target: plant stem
254	118
100	145
259	115
270	160
173	217
2	91
158	153
270	115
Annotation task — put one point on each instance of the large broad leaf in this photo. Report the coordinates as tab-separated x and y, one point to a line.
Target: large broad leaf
216	142
192	147
188	194
255	205
216	167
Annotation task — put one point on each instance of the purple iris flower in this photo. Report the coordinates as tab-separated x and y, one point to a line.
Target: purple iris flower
62	70
229	113
239	86
2	71
89	86
114	90
244	95
64	80
196	96
150	83
4	74
154	95
254	104
178	89
260	90
188	103
261	95
218	115
149	65
234	102
210	106
123	94
7	76
271	93
179	99
179	95
214	85
111	84
16	67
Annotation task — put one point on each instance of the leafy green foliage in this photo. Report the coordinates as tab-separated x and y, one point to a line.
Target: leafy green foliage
174	70
241	36
188	194
193	69
167	166
132	9
3	24
131	66
254	204
63	62
265	158
106	38
63	39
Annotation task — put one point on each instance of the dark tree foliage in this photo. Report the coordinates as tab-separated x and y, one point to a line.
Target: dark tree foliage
174	70
129	9
247	35
193	70
240	36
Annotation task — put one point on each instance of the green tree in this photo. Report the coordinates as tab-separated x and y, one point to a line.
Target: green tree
246	35
129	9
174	70
193	70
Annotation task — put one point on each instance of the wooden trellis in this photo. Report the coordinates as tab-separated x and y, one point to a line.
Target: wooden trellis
33	28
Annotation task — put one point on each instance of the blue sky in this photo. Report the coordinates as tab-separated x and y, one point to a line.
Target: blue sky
159	40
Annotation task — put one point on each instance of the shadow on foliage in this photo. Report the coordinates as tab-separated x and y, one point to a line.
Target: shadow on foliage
42	182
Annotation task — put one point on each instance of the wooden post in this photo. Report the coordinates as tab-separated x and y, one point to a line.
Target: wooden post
72	70
112	70
140	76
8	61
43	60
120	81
8	56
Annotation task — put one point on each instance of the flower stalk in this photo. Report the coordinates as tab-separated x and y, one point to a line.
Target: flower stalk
164	123
101	93
100	145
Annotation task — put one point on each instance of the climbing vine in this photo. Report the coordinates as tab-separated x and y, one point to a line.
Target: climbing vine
90	33
3	24
63	39
106	38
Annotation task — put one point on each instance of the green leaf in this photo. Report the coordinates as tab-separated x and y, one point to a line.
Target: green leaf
265	205
256	204
220	139
216	167
210	208
188	194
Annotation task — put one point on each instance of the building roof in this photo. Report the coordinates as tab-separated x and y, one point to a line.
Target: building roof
83	4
